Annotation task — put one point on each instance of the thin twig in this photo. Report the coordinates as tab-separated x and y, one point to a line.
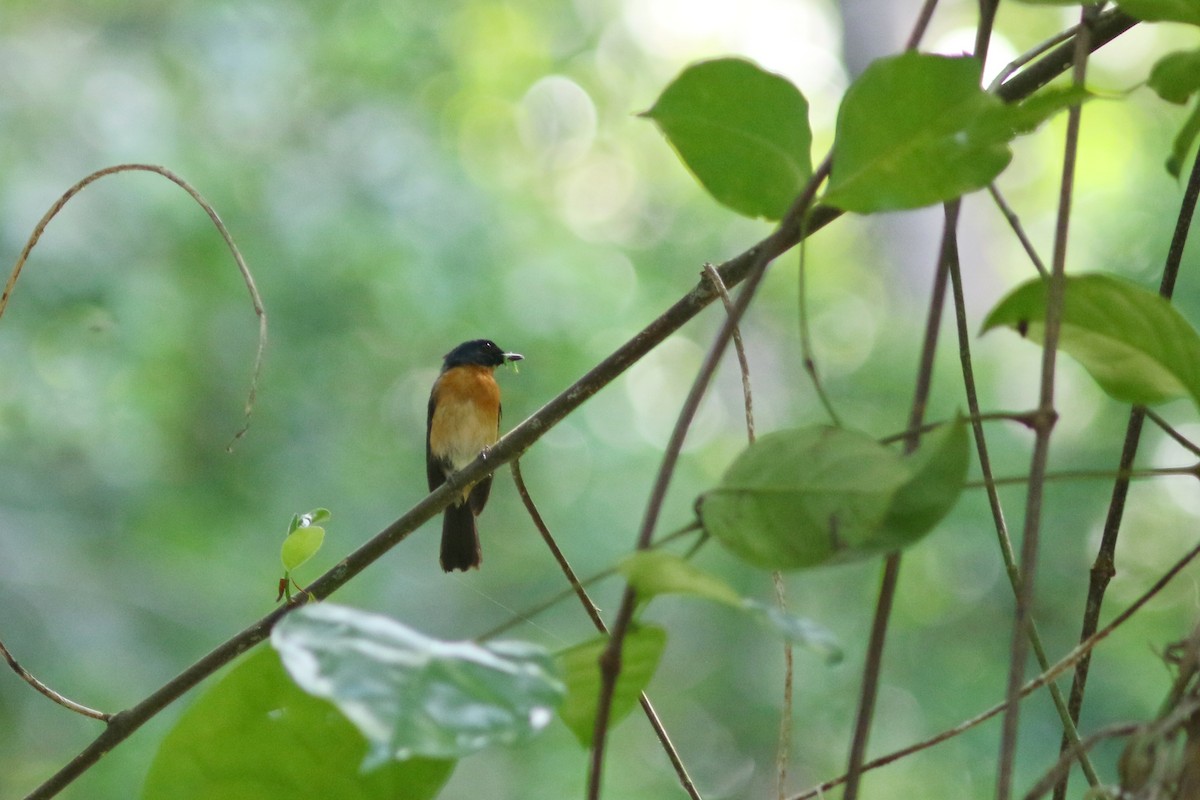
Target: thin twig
806	350
1065	663
685	780
869	686
1014	222
921	25
1104	565
1062	476
739	347
1168	429
247	277
1045	425
62	700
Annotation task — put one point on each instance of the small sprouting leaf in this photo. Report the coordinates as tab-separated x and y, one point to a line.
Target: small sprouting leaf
803	497
1162	10
939	468
410	694
580	667
798	630
742	131
1134	343
318	516
916	129
301	545
1176	76
655	572
256	734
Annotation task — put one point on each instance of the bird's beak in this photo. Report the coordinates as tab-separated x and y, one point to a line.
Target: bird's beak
513	356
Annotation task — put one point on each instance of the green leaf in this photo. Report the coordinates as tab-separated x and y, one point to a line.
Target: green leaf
803	497
655	572
413	695
939	468
742	131
798	630
580	667
916	129
254	734
300	545
1162	10
1176	76
1184	141
1132	341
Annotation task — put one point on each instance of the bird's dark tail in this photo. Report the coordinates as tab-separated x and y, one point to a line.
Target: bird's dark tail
460	539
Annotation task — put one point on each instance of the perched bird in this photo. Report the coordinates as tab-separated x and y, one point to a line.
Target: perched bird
464	420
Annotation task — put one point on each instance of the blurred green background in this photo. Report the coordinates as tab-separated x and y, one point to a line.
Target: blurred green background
404	176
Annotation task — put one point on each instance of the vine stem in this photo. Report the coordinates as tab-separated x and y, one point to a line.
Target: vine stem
1043	426
247	276
1104	565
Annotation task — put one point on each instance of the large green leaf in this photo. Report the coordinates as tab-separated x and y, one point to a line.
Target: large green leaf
802	497
1132	341
915	129
413	695
810	496
1162	10
580	666
255	734
742	131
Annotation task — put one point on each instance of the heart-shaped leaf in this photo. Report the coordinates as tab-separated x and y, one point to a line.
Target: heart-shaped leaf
1134	343
742	131
916	129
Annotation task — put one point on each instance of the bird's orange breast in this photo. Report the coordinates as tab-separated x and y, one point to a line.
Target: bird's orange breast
466	417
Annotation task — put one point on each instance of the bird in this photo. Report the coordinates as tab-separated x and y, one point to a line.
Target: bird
464	421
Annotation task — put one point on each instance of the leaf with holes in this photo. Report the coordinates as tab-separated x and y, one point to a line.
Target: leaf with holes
255	734
410	694
1135	344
